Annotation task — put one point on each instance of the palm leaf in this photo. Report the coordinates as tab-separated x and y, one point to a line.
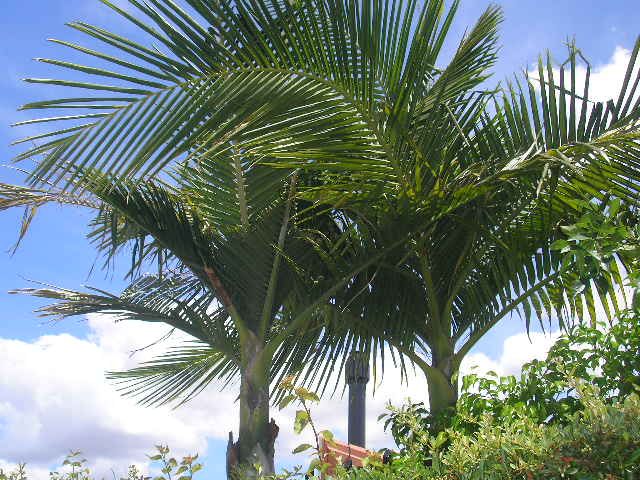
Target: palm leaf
176	300
176	376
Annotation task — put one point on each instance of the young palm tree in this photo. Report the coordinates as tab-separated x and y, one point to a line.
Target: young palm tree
402	147
497	174
229	263
494	175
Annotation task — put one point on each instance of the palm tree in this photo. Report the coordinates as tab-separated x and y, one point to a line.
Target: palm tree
498	177
491	176
229	263
400	147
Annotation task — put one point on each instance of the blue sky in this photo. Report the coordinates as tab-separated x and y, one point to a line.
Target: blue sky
56	251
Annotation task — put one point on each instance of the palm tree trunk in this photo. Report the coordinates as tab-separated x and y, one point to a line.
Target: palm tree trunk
255	445
443	390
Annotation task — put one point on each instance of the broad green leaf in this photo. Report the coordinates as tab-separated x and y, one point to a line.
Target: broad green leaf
301	421
301	448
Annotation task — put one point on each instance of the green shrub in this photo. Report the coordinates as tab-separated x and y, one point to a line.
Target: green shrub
604	356
538	426
75	467
600	441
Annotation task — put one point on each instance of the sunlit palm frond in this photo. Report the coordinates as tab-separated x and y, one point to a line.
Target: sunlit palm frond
178	375
231	191
177	300
325	81
32	199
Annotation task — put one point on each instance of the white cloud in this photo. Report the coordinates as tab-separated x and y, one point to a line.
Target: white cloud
518	350
53	397
605	79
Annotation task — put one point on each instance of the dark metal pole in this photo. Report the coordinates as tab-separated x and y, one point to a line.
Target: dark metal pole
357	376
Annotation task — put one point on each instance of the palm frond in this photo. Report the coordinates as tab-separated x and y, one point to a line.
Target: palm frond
12	196
328	81
180	301
176	376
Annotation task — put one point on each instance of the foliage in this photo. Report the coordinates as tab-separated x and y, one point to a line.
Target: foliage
448	193
602	440
171	469
603	233
543	425
490	251
394	138
599	441
605	356
234	271
303	418
75	468
19	473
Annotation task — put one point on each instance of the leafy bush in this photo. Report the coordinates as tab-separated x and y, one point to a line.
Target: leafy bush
599	441
75	467
574	415
604	356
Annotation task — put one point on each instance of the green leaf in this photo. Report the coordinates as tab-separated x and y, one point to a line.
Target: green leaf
635	457
301	421
327	435
559	244
439	440
315	464
301	448
286	401
306	395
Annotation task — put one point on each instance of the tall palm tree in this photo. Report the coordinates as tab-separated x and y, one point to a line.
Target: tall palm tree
400	146
229	263
497	173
